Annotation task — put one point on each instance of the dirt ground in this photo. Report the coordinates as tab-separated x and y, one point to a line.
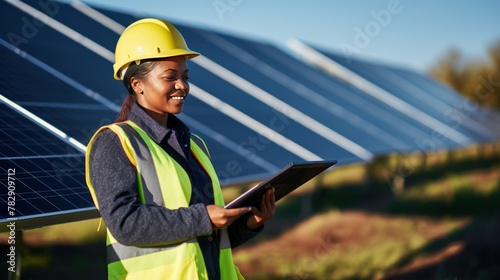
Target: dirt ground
458	249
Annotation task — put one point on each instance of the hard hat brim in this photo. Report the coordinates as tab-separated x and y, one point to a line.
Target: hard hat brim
171	53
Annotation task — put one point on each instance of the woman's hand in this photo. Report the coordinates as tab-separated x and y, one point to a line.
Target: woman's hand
266	212
221	217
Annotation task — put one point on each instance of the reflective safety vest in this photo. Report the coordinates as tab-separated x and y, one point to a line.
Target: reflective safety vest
170	188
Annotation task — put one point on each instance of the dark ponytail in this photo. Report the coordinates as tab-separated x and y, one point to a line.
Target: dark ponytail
126	106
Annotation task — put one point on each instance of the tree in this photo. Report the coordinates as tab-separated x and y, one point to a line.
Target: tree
479	81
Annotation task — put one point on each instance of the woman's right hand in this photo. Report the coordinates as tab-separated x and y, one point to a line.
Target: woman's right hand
221	217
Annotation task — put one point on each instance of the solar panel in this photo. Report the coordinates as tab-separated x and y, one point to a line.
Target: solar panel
441	112
474	117
47	175
374	125
417	89
261	96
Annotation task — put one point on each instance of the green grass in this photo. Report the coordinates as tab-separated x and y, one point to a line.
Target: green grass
454	195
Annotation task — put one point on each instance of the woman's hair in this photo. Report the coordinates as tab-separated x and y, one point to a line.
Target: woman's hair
140	73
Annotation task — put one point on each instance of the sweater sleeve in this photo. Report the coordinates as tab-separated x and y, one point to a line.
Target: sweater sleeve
239	232
132	223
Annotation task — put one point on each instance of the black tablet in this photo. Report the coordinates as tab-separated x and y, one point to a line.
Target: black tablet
284	181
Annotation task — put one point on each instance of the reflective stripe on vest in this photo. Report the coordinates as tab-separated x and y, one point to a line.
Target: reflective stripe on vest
171	189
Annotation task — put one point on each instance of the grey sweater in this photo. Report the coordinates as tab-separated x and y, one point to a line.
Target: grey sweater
114	179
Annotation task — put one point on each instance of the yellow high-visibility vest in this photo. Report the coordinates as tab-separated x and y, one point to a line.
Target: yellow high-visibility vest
171	188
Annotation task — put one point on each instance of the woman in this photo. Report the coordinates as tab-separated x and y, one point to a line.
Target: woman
152	180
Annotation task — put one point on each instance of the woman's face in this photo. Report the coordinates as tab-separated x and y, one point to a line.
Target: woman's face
165	88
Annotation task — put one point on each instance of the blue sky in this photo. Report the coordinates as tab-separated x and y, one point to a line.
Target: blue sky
410	33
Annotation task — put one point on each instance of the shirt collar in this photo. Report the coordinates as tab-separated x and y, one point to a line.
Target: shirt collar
152	128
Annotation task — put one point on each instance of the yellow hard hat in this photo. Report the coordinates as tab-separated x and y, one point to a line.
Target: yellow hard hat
146	39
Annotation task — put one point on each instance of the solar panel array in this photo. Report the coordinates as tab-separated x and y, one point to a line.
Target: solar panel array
435	108
257	106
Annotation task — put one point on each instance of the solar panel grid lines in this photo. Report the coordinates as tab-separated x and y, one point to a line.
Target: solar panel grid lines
288	110
467	108
246	139
269	167
262	113
455	111
391	121
438	105
33	173
62	77
405	129
352	98
368	87
60	51
44	124
294	86
74	35
428	101
241	83
48	173
97	16
253	124
462	114
20	138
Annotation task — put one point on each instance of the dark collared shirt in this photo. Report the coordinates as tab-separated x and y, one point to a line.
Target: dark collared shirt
114	179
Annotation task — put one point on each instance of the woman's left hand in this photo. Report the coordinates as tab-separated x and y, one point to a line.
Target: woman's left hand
266	212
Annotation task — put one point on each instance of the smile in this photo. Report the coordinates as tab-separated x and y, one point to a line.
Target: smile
177	97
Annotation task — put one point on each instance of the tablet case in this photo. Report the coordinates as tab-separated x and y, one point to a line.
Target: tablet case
284	181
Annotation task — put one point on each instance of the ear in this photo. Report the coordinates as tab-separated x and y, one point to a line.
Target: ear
137	85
